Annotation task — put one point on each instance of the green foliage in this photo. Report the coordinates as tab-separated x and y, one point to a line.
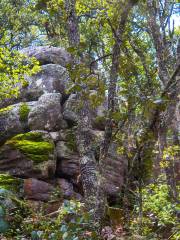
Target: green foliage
23	112
158	212
72	223
20	23
169	155
15	211
33	146
76	223
10	183
100	120
13	70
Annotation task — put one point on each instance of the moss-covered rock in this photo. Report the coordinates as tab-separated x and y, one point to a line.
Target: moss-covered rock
33	146
29	155
23	112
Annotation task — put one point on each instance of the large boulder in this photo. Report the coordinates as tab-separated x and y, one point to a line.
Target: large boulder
71	114
46	113
51	78
13	119
37	190
47	54
29	155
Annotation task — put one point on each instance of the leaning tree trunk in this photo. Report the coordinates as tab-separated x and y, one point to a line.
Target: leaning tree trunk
116	51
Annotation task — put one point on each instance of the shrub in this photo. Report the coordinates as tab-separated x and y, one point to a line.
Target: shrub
158	217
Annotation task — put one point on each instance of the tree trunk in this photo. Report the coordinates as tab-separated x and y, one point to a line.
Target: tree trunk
88	165
118	37
72	23
157	23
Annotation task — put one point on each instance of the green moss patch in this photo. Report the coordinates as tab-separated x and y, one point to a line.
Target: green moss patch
23	112
5	110
33	146
31	136
10	183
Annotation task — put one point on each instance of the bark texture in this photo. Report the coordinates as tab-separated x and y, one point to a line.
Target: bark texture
72	23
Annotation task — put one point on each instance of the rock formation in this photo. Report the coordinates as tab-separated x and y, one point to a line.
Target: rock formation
38	149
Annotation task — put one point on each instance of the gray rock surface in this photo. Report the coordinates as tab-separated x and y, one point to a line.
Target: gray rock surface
67	160
48	54
13	119
46	113
70	113
51	78
70	109
114	171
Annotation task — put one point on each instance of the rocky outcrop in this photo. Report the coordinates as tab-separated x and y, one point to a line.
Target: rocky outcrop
37	134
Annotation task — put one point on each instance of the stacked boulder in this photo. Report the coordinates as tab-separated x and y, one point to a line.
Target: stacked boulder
37	136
